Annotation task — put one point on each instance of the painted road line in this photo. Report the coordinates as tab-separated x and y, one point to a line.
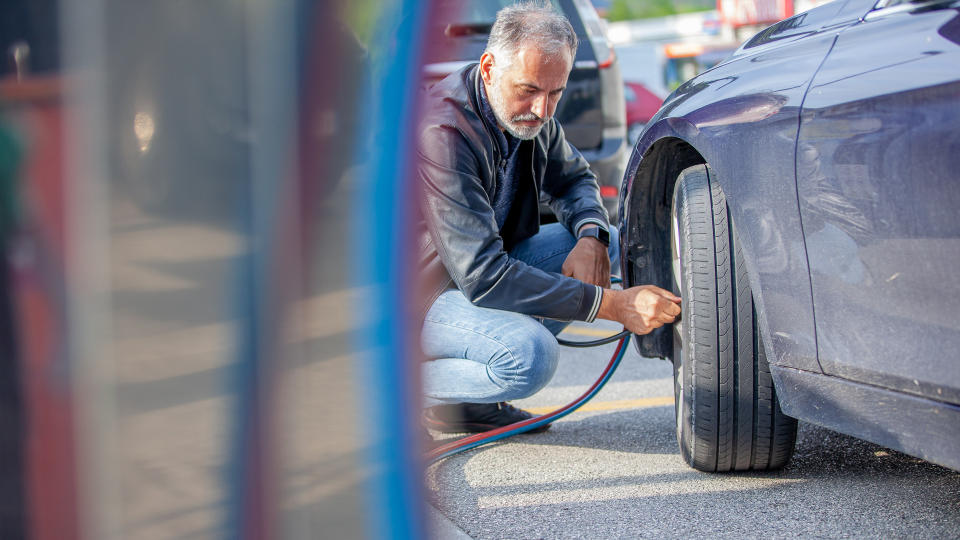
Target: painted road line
631	490
641	403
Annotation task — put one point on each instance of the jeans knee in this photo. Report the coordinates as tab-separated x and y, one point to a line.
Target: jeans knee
528	363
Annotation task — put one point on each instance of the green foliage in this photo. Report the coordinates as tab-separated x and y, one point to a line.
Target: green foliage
619	11
624	10
11	152
361	17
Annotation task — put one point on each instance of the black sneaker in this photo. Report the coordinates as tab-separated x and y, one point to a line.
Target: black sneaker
475	417
428	443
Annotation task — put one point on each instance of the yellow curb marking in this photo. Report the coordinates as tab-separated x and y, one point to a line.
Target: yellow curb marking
642	403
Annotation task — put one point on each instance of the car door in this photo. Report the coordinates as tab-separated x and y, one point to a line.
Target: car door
878	157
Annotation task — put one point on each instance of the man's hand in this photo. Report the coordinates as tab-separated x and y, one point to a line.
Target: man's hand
640	309
589	262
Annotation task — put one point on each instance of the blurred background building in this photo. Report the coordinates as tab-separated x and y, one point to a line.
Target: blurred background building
200	261
203	259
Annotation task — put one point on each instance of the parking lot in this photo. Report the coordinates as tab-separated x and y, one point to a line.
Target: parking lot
613	470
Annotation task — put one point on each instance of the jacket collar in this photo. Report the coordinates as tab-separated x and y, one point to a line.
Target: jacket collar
482	107
490	119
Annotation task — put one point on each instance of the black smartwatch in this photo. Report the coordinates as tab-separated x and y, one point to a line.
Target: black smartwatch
597	232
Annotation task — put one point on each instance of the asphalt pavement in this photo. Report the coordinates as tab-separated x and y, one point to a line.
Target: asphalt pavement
613	470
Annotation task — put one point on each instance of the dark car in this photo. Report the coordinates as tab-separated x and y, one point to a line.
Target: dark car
591	110
802	198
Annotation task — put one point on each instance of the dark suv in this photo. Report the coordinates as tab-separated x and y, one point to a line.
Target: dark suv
592	110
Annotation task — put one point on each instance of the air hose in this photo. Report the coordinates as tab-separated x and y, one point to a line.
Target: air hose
480	439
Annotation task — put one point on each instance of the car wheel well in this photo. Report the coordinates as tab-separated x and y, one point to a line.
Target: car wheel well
647	254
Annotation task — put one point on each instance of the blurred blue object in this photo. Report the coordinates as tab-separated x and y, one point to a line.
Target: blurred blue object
382	224
209	268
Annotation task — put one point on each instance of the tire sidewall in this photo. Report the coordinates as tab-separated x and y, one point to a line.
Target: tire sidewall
683	371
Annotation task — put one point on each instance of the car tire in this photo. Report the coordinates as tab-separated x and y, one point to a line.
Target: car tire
728	417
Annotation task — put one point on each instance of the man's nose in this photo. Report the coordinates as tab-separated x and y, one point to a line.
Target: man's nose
539	108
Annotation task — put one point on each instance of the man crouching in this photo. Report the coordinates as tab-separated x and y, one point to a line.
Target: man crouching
502	286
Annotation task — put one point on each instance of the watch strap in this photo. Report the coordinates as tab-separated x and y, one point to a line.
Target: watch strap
597	232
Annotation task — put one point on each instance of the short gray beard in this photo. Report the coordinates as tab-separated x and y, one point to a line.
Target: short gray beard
524	133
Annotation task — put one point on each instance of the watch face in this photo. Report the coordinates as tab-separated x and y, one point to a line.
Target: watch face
602	235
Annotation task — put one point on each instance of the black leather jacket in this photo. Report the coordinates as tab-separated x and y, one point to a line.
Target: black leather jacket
457	235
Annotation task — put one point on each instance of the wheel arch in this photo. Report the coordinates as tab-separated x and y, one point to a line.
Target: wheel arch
646	226
646	249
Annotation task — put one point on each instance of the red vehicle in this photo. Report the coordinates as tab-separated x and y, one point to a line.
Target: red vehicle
642	104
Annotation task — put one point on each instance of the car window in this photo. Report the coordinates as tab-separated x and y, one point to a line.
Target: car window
889	3
908	4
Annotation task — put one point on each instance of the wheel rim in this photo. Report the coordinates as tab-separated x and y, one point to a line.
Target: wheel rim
677	269
675	263
678	387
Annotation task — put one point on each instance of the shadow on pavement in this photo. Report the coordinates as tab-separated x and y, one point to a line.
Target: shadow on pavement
620	475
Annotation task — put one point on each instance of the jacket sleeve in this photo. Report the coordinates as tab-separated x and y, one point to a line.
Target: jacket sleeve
569	186
460	219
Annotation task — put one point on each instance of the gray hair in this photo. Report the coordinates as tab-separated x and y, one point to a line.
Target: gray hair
535	22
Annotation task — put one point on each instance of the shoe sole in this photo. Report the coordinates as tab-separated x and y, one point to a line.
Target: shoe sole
444	427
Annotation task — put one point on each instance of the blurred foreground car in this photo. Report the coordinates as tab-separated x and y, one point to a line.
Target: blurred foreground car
802	198
591	110
179	133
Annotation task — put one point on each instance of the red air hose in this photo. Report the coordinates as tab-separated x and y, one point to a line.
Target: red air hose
473	441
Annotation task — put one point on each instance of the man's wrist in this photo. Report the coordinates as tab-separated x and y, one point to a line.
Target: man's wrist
595	307
583	222
608	305
596	232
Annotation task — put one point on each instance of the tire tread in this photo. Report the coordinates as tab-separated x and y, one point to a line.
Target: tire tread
729	418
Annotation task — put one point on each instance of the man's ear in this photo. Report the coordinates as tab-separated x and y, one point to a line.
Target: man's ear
486	67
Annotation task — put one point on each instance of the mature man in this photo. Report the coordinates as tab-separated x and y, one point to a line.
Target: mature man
502	286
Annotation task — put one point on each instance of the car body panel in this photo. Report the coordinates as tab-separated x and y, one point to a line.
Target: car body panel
911	424
878	156
833	135
760	89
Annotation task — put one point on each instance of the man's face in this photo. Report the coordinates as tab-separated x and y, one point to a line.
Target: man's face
525	92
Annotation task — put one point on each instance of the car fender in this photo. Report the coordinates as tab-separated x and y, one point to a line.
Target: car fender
741	118
644	217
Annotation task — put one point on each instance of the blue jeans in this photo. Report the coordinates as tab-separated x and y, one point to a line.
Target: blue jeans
482	355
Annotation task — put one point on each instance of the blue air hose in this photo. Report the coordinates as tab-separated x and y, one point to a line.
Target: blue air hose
473	441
